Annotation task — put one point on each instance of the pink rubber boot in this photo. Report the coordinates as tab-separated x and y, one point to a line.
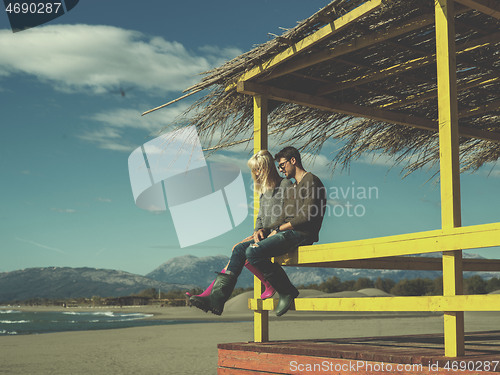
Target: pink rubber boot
207	291
269	292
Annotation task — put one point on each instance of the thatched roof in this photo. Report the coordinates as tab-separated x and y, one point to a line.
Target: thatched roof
383	64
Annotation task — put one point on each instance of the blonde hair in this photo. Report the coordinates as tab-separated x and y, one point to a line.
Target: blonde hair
268	177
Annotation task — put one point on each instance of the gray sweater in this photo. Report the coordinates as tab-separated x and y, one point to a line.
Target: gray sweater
271	203
304	206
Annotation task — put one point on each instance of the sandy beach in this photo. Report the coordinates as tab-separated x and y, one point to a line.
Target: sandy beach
192	348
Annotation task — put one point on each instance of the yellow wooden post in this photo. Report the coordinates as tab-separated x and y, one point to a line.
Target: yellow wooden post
260	317
449	169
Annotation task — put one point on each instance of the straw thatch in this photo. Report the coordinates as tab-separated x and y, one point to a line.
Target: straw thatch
225	117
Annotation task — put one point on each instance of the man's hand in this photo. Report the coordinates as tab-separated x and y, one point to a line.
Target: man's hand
272	233
259	235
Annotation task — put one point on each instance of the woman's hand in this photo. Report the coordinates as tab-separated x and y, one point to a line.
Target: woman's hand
259	235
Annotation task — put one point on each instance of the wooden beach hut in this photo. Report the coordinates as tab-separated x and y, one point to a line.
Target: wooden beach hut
416	79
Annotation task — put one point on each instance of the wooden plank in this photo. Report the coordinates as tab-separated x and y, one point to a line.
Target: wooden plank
484	302
477	236
412	350
419	62
330	105
233	371
274	363
356	110
310	40
400	263
260	142
488	7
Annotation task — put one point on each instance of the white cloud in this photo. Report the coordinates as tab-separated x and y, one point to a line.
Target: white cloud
113	123
233	159
131	118
98	58
107	138
218	55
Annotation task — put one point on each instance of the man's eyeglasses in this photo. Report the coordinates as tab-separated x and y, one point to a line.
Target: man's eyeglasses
282	165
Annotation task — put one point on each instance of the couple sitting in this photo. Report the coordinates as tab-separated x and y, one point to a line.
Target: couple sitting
290	215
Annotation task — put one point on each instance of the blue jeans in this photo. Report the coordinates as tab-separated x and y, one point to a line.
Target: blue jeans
259	254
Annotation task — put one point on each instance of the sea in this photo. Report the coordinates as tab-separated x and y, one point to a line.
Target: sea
16	322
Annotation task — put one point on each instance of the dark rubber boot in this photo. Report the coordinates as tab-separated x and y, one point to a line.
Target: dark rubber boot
221	291
287	292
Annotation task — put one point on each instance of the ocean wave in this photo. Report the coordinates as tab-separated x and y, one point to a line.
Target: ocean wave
4	332
9	312
14	321
110	314
104	313
138	314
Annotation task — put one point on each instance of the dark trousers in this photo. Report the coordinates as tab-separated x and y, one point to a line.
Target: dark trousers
259	254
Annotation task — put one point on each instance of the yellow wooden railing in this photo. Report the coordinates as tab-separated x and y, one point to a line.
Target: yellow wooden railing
451	239
357	252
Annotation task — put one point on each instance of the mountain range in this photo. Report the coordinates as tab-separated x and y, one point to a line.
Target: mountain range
180	273
66	282
201	271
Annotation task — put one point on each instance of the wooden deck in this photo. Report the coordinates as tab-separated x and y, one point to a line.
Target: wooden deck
408	355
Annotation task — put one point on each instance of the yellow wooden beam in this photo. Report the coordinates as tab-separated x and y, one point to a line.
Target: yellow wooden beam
260	318
471	237
330	105
397	263
260	114
260	128
310	40
325	104
488	7
451	216
419	62
487	302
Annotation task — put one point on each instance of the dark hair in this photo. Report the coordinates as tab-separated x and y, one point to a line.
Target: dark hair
288	153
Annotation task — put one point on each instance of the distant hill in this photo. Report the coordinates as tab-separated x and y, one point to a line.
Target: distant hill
65	282
184	273
189	269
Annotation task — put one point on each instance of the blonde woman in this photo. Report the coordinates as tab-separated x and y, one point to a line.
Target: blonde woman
271	187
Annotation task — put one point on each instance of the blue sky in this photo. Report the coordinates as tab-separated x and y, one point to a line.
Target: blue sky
67	132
